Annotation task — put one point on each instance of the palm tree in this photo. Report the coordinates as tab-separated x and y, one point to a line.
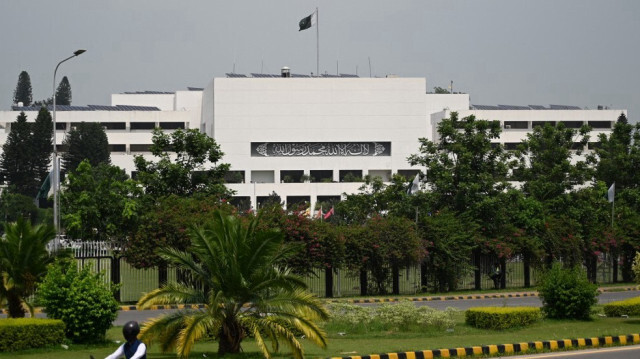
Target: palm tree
247	291
23	262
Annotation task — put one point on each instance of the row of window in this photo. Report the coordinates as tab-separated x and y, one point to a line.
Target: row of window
313	176
292	202
512	146
67	126
525	125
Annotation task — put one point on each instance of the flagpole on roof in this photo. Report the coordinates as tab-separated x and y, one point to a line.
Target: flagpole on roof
317	44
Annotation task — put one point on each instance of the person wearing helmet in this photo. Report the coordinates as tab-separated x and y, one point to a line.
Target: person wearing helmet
132	348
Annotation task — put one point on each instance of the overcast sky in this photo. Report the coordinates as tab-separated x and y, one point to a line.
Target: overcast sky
518	52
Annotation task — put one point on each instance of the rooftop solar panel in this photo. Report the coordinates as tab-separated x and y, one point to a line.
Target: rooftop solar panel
538	107
485	107
514	107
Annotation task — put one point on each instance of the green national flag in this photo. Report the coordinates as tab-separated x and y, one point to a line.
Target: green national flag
307	22
43	193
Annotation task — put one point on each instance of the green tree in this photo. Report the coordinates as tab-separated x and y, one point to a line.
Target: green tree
246	289
618	156
100	203
23	92
87	141
188	164
440	90
546	166
63	92
15	205
42	144
24	156
23	263
463	166
81	299
165	224
448	246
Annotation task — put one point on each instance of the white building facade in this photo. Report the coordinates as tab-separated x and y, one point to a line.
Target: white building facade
305	139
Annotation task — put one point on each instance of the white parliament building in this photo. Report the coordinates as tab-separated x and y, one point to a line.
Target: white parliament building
304	138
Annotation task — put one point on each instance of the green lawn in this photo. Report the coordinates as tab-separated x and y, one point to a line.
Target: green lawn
381	342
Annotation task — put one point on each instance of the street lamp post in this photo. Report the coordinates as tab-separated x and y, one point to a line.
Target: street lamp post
56	166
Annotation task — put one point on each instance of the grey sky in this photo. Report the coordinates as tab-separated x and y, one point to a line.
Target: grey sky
520	52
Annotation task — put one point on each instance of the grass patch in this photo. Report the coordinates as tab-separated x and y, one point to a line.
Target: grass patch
376	342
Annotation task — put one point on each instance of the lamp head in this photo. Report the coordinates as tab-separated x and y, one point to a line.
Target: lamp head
79	52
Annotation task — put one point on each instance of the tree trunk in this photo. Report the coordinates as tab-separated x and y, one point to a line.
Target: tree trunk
424	278
503	272
614	261
328	282
364	283
526	259
395	269
230	337
477	274
14	306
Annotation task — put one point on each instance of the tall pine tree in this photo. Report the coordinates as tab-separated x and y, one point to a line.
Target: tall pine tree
87	140
15	162
23	92
63	93
41	144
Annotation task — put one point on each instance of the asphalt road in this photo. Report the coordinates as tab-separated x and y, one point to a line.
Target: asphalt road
142	315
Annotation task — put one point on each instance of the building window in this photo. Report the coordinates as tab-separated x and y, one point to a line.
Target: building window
573	124
242	203
600	124
234	177
384	175
61	126
298	202
594	145
272	199
325	176
140	148
114	125
292	176
577	146
351	176
516	125
511	146
171	125
143	125
542	123
408	174
262	176
117	148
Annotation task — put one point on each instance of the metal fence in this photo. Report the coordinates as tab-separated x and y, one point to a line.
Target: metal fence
133	283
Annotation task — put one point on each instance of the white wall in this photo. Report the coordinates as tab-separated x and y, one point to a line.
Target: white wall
238	111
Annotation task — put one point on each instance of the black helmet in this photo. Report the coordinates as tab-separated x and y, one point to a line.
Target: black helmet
131	330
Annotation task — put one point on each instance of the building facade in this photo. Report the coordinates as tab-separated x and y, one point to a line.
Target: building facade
304	139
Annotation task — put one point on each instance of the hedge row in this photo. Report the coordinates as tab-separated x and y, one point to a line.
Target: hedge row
629	306
27	333
501	317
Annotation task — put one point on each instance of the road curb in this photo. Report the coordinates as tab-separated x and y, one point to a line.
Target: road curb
515	348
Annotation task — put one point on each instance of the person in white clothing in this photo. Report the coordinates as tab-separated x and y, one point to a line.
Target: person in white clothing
133	348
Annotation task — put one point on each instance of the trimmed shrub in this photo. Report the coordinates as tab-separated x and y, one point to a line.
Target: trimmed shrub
629	306
27	333
80	299
501	317
566	293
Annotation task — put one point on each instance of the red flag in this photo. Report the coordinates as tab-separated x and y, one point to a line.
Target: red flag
328	214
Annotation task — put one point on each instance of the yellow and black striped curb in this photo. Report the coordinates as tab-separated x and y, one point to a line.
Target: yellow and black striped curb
438	298
462	297
549	345
127	308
